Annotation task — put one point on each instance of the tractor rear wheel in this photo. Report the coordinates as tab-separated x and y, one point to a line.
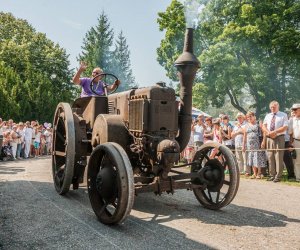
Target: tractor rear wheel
220	175
63	148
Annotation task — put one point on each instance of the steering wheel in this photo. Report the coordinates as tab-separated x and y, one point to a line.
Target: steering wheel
108	79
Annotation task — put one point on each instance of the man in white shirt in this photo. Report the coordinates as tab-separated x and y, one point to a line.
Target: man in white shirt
294	131
274	126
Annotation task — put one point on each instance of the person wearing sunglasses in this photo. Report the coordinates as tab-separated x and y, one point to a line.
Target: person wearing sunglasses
97	82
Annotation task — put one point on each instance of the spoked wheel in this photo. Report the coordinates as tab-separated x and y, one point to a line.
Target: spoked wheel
219	172
110	183
63	153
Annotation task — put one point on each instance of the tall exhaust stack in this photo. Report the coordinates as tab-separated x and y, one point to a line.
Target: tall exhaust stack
187	65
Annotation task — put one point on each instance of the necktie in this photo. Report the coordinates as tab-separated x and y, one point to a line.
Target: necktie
272	125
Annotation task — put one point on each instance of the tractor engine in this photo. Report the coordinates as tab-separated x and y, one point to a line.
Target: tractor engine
150	116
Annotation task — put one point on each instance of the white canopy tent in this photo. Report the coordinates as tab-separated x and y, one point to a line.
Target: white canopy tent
196	112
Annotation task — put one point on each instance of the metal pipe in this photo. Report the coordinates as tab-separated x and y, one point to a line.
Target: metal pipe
187	65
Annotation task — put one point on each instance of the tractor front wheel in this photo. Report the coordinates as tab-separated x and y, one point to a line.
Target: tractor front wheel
110	183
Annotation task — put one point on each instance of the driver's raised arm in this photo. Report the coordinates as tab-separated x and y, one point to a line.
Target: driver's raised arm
76	77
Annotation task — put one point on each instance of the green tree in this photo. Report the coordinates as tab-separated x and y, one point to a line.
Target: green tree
173	23
96	49
250	46
34	75
8	105
121	64
200	92
256	47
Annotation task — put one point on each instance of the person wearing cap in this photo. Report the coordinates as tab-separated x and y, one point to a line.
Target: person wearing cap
287	155
294	131
237	136
274	126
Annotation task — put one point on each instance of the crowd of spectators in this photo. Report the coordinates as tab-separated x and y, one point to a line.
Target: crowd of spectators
261	147
24	140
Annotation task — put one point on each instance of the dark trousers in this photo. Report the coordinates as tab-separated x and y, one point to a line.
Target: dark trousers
1	142
288	161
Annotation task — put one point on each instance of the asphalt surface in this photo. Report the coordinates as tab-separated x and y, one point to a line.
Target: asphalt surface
33	216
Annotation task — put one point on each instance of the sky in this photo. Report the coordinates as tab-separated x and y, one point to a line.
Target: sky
66	23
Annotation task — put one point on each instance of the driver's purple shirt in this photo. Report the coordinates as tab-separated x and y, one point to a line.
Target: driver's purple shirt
86	89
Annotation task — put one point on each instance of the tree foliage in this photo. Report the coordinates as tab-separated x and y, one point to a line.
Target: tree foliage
121	63
98	51
96	45
172	21
34	75
244	45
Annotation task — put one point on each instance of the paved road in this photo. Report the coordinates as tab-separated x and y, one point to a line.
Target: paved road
33	216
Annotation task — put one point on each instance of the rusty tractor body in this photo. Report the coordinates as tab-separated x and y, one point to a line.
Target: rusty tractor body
131	143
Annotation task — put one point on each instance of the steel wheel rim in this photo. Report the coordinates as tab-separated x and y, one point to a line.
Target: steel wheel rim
63	148
215	198
114	210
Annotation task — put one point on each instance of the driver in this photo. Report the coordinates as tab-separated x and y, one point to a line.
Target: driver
86	81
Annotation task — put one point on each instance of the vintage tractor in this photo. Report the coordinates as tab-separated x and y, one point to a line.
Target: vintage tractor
131	142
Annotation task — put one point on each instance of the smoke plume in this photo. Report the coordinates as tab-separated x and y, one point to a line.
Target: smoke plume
192	10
